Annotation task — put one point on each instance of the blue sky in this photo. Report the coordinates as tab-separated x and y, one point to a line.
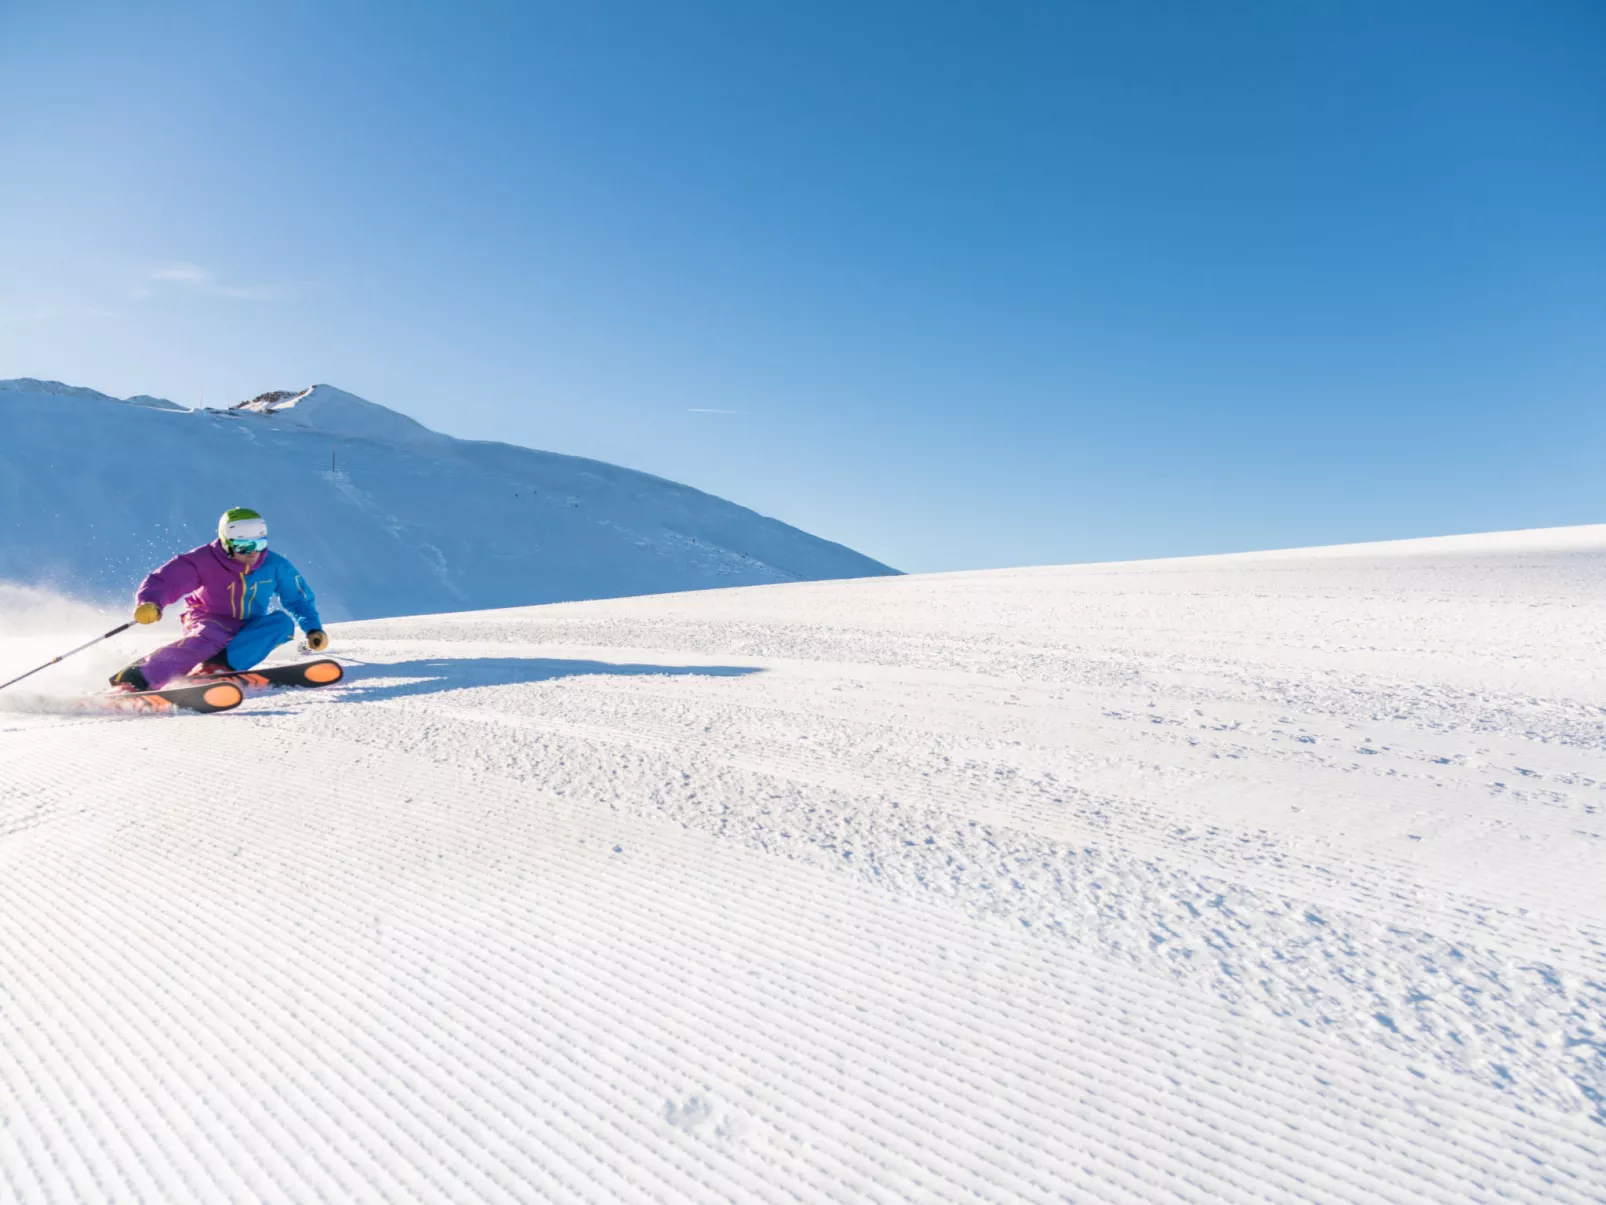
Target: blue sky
957	284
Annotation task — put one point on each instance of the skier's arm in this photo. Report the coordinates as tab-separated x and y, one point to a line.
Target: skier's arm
169	583
297	597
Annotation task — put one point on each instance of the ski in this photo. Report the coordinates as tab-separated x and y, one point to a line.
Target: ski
219	692
207	697
299	673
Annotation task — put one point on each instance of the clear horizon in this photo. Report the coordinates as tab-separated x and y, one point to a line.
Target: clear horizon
959	288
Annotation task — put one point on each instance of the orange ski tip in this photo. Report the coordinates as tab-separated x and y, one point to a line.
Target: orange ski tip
324	672
224	694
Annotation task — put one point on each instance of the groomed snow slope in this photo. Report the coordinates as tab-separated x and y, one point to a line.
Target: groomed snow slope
382	515
1264	878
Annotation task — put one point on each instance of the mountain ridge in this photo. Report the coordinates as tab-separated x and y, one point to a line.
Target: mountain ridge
385	516
60	389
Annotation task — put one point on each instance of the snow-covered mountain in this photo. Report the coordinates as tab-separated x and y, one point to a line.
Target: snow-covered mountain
383	515
1271	879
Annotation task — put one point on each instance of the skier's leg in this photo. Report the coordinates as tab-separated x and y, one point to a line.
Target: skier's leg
258	637
205	638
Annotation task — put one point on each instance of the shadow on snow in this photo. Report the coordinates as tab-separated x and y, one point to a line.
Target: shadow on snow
458	673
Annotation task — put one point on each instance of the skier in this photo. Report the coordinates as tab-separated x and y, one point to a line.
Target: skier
227	624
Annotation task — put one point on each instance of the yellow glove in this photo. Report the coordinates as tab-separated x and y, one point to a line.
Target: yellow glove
147	612
318	640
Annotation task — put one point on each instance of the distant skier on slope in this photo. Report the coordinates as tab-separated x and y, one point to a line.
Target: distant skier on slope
227	625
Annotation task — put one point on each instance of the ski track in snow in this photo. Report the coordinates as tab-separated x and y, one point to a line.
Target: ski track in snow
1267	878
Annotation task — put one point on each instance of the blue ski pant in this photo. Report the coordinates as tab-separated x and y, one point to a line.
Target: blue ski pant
258	637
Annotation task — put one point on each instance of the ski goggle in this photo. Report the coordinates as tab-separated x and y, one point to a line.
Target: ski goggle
238	546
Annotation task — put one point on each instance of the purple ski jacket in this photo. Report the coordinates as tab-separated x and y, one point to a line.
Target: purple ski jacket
214	585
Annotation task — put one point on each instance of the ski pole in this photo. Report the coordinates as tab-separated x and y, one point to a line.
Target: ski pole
67	654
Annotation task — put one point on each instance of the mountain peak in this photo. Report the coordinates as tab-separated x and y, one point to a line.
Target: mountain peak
276	399
333	411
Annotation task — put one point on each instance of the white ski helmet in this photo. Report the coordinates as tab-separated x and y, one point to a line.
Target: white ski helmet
243	530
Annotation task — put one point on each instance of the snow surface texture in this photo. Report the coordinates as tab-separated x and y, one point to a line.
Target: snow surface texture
1262	878
382	515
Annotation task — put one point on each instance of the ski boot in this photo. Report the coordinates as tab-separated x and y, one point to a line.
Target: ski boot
213	667
130	679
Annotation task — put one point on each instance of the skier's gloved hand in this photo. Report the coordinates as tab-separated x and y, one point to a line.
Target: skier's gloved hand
147	612
318	640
